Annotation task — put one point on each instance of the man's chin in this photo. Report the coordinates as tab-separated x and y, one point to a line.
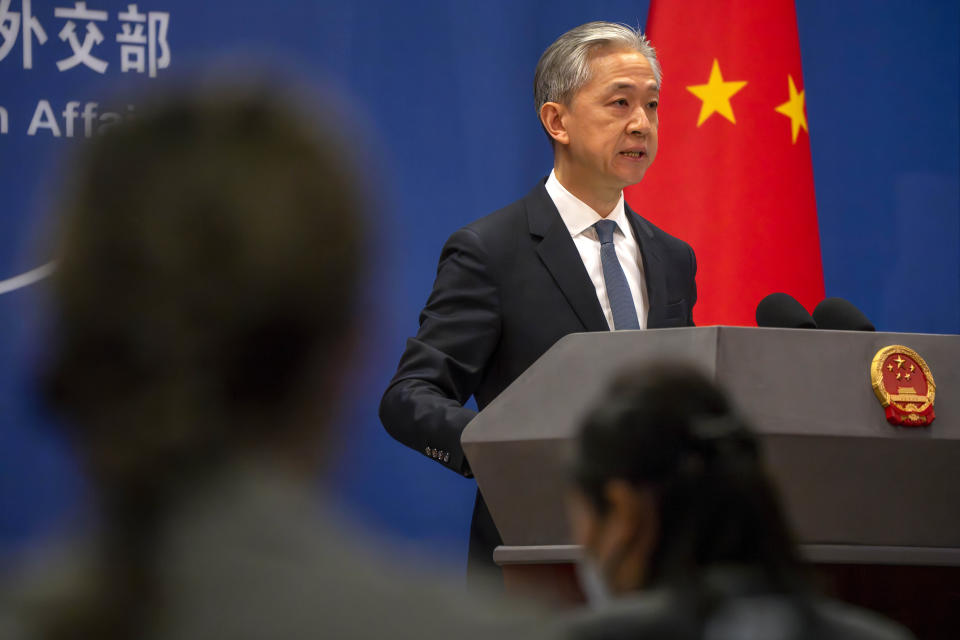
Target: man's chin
632	178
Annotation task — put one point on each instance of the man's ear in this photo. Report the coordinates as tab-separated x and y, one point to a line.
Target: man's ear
553	117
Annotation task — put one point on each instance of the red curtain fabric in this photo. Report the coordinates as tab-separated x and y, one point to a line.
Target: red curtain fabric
733	174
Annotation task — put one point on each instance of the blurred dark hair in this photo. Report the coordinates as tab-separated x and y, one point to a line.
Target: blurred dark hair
669	428
208	268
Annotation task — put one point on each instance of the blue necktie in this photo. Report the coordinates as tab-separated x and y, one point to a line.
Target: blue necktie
618	291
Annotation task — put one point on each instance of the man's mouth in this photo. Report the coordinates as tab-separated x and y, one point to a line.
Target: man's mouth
636	155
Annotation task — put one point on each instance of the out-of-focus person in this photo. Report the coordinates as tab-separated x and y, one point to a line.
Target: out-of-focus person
683	533
204	308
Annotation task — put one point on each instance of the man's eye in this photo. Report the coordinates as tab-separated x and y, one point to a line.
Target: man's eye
653	104
622	102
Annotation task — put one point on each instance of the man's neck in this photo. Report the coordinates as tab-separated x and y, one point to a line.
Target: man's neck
603	201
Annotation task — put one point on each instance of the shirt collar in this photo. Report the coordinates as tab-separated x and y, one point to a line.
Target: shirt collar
576	214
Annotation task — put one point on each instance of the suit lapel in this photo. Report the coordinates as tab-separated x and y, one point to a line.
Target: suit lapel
653	268
560	256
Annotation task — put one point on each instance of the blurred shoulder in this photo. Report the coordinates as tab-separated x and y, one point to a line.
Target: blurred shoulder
38	581
656	614
852	623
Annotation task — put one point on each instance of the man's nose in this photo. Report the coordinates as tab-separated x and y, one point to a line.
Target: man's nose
639	123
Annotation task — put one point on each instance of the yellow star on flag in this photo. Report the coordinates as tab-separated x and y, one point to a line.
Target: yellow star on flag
716	95
793	109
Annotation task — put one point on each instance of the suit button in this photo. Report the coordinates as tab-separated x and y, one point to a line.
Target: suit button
434	454
427	450
446	457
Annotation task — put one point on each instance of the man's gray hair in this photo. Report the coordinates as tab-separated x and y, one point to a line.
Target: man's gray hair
565	66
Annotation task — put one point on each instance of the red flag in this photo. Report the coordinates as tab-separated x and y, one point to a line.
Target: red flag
733	175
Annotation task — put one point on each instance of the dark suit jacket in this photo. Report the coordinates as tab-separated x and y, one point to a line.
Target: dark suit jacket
508	287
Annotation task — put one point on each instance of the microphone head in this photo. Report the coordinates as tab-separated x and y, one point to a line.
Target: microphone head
837	313
782	310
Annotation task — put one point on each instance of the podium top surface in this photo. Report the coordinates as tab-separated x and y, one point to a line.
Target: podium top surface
796	381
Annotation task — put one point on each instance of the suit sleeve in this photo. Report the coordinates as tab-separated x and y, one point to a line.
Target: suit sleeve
693	287
444	363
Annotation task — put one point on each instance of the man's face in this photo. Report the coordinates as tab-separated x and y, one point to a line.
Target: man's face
612	120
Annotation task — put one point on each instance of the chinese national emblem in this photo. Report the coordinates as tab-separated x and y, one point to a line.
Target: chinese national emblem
904	385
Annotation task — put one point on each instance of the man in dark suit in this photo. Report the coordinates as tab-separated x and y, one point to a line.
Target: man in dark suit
569	257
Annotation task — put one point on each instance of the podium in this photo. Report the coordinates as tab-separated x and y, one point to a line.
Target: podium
857	490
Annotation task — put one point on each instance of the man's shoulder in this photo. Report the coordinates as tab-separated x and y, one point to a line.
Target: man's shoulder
509	219
657	234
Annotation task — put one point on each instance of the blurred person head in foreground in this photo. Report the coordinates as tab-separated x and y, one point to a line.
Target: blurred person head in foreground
682	529
204	305
208	270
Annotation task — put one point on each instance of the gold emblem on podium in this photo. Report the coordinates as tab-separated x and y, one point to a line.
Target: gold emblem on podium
904	385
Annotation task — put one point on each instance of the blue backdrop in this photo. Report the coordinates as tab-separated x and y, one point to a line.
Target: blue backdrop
442	95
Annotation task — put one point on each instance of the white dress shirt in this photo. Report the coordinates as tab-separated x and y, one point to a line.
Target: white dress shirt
579	219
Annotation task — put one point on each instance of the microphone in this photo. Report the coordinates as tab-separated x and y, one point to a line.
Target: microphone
837	313
782	310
